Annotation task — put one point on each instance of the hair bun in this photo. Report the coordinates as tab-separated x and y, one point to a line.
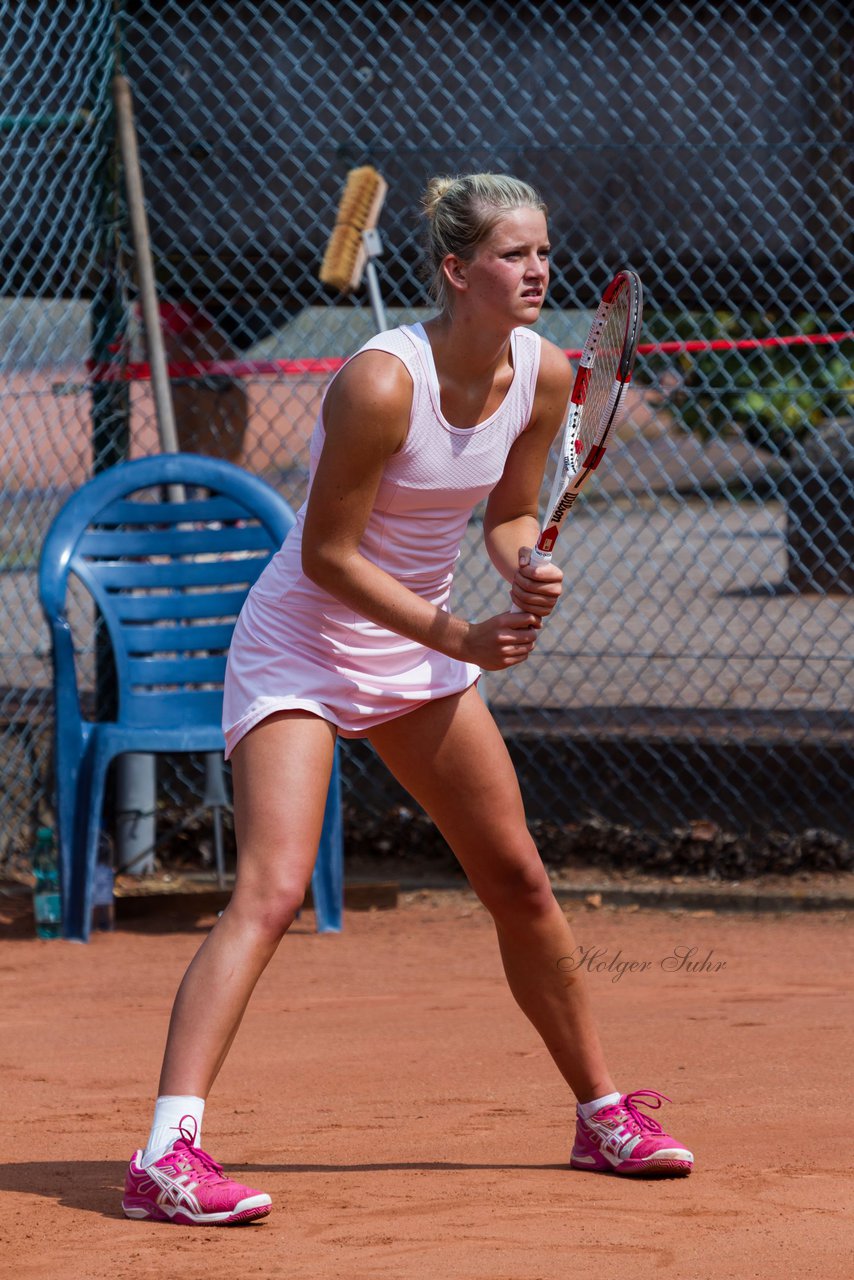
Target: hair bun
436	188
461	212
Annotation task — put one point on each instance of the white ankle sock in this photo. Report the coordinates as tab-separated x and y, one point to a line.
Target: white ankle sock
587	1109
169	1111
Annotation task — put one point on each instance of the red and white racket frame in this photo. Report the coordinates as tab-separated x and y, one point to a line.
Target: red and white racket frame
571	476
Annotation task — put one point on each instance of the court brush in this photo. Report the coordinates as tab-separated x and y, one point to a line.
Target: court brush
346	255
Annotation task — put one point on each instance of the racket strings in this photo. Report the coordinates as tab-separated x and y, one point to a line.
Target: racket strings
604	387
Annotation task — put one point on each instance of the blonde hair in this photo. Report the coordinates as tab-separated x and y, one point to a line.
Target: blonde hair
461	212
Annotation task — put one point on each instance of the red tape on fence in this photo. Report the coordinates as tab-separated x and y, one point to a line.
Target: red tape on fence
140	371
740	344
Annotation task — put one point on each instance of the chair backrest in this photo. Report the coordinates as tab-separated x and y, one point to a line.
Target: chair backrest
168	577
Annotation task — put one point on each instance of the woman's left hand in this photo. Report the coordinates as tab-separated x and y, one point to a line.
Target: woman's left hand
535	588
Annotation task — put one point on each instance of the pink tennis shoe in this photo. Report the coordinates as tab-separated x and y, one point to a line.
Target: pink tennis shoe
187	1185
621	1139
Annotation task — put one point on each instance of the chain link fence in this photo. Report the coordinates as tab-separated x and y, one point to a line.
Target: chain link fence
700	666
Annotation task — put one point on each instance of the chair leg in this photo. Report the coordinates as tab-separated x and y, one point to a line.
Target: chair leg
327	882
214	799
71	817
90	803
219	851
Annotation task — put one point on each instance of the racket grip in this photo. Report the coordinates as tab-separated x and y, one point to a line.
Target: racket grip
540	557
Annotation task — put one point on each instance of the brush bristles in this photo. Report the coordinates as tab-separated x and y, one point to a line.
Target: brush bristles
359	198
345	257
344	260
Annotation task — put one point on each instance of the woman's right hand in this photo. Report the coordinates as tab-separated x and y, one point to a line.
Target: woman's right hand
500	642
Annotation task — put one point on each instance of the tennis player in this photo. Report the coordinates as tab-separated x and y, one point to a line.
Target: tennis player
348	631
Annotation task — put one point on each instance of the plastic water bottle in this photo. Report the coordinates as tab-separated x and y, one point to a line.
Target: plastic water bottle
47	904
103	904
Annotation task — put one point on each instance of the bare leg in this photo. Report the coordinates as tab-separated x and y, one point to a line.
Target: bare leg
281	771
450	756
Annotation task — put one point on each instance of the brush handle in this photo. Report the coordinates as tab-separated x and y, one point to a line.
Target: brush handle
376	297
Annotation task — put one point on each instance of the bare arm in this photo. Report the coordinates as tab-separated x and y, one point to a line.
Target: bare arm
366	416
511	525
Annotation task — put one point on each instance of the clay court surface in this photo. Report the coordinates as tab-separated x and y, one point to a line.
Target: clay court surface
387	1092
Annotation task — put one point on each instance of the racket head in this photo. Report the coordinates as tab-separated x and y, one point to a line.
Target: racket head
597	399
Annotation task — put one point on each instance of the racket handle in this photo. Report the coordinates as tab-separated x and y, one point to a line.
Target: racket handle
540	557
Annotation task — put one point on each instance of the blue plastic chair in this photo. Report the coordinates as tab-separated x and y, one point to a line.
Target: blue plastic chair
169	579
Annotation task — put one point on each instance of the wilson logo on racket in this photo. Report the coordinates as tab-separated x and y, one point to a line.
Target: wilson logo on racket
561	510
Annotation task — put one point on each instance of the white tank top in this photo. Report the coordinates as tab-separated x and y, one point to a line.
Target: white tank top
431	485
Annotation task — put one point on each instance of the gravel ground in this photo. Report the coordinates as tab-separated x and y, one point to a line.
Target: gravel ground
407	1120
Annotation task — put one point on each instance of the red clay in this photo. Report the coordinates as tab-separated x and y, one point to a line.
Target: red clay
401	1112
53	444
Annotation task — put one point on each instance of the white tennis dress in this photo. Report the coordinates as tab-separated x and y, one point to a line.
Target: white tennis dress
295	646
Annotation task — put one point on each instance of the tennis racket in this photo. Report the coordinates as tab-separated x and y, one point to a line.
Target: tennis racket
597	400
